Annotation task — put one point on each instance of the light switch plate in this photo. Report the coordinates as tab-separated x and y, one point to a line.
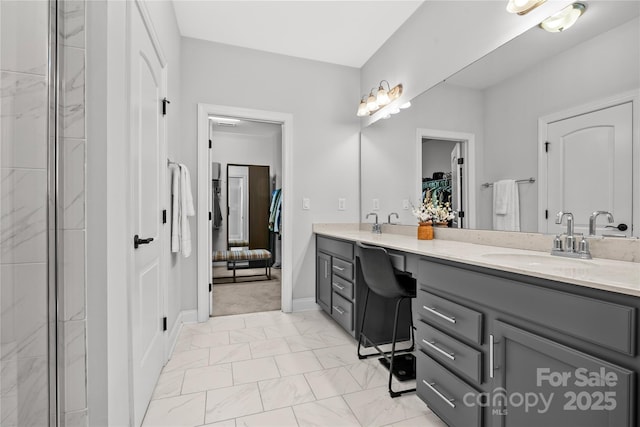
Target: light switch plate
342	204
306	203
376	204
405	204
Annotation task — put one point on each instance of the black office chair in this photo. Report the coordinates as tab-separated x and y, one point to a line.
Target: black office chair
387	282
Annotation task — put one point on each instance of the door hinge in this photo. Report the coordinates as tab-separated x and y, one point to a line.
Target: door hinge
546	146
165	101
164	323
209	216
546	214
210	143
461	161
460	214
210	287
164	216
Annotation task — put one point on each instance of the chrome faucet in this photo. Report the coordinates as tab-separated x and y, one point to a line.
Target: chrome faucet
390	215
375	227
570	241
592	220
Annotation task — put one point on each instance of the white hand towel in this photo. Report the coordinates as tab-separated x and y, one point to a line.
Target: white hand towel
186	210
506	206
175	209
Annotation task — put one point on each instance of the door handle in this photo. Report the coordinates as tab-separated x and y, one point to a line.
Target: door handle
492	365
137	241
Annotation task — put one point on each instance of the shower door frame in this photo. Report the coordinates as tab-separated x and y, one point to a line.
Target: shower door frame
54	223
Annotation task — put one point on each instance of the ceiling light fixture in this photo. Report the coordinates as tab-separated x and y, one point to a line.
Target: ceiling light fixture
563	19
522	7
376	100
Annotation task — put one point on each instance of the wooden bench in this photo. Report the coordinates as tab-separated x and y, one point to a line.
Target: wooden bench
245	255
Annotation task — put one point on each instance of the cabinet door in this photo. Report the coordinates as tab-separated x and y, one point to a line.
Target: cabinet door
323	281
539	382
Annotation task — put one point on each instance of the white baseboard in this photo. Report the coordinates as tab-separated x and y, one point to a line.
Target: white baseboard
189	316
305	304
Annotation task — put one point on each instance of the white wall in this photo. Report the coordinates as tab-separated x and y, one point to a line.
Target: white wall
325	135
234	148
601	67
436	156
388	153
442	37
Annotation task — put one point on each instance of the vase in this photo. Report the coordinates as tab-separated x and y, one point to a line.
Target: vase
425	231
442	224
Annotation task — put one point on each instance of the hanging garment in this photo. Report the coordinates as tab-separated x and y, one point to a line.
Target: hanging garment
274	210
217	212
181	209
506	206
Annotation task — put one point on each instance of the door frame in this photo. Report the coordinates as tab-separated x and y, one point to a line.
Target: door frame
204	276
469	140
632	96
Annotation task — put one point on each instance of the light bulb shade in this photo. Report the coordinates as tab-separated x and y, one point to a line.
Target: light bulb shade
405	105
563	19
372	105
362	109
382	98
522	7
395	92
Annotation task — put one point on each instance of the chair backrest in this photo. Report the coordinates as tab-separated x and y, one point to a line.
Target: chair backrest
378	272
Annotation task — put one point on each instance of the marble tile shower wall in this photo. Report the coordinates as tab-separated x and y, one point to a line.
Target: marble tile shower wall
23	210
71	48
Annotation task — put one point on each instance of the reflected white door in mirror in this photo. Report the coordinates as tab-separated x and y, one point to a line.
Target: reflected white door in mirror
586	159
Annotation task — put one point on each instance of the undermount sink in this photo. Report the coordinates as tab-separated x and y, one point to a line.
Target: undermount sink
532	260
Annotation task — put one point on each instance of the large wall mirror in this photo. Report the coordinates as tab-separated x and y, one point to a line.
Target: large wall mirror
558	112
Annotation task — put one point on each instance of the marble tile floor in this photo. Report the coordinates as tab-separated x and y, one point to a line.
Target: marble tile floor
276	369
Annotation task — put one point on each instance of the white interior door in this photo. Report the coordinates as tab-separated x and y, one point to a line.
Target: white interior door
457	186
147	293
589	162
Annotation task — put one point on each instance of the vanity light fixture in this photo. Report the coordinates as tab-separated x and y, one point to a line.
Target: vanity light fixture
522	7
372	103
563	19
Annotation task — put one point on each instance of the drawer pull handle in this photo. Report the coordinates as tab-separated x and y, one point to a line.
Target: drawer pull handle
437	313
339	310
338	268
491	355
338	286
432	386
433	345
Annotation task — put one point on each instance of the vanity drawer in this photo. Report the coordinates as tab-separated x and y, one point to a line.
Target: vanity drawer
444	393
449	351
335	247
342	268
342	311
342	286
450	316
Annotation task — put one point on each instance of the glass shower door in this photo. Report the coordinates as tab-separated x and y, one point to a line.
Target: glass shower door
27	354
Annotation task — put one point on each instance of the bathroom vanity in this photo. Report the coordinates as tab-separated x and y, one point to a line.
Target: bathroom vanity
509	337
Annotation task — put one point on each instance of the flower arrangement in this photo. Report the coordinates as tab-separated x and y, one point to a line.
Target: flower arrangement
431	210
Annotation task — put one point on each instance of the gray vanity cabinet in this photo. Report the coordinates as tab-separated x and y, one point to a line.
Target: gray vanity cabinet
498	349
335	280
323	281
563	386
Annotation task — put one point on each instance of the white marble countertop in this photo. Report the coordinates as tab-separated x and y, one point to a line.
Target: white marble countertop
616	276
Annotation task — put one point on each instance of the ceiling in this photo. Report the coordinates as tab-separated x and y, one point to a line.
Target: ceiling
339	32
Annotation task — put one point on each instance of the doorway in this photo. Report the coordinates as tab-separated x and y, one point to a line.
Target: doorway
446	172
